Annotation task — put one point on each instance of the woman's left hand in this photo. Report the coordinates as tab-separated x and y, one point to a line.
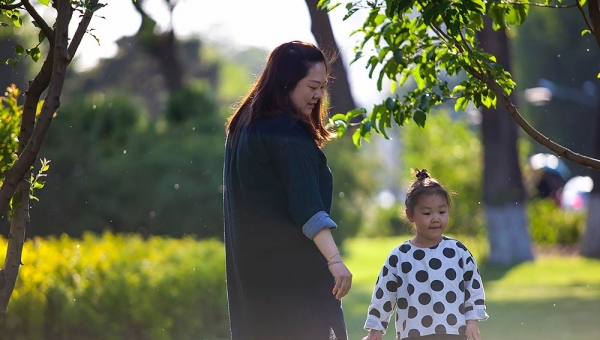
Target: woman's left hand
343	279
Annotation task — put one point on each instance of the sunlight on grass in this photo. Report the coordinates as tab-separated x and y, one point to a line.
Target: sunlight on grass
553	298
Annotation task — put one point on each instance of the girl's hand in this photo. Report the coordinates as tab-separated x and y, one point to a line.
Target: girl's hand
374	335
343	279
472	331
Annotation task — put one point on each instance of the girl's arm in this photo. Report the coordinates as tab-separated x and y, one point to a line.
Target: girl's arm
383	301
343	278
475	296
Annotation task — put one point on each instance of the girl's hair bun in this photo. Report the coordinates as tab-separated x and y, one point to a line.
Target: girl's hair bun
422	174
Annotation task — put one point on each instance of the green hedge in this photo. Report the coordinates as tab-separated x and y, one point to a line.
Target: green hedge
119	287
551	225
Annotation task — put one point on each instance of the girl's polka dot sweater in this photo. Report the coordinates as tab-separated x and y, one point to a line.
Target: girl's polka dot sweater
433	290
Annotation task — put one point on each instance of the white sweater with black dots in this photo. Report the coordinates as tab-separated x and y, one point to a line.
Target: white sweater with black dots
433	290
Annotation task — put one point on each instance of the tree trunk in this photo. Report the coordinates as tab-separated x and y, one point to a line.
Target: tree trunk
341	100
503	190
33	133
163	47
16	238
590	242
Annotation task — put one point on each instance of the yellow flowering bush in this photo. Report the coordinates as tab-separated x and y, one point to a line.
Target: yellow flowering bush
118	286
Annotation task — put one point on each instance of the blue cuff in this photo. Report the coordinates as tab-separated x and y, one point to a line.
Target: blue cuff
319	221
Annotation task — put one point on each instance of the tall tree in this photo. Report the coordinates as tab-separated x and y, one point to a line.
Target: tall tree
341	96
162	46
564	63
16	185
590	242
503	190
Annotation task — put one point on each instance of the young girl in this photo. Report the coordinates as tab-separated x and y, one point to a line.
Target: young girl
431	280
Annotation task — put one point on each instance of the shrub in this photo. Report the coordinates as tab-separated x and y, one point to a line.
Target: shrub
551	225
10	121
119	286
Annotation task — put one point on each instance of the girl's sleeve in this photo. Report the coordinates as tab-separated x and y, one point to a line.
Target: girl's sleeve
296	161
474	294
383	301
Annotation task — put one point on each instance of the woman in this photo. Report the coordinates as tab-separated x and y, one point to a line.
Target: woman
285	276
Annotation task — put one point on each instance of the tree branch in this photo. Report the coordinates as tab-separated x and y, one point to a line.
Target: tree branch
16	173
11	7
585	19
541	5
594	11
530	130
81	29
39	20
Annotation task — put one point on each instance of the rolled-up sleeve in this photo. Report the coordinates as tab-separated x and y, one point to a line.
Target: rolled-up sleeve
316	223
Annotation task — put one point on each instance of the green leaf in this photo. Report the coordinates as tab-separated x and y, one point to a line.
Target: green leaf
35	54
418	79
3	24
44	2
383	122
322	4
16	19
338	117
424	104
390	104
19	50
332	7
517	13
419	118
365	130
341	127
356	138
41	36
584	32
355	112
598	76
97	7
461	104
375	113
398	56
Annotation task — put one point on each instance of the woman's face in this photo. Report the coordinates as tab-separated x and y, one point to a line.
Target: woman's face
309	90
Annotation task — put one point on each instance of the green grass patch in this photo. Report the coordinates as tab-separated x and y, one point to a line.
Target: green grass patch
553	298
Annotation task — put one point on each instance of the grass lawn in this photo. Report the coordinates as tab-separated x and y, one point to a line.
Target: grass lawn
553	298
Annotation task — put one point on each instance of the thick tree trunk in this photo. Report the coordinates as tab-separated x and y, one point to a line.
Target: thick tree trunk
503	190
590	242
341	100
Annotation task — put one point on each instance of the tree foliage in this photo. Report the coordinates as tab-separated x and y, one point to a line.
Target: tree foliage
421	40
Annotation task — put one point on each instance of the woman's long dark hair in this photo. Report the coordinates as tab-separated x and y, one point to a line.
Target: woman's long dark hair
286	65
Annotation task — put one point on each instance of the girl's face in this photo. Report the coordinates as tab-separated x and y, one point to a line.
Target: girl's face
309	90
430	217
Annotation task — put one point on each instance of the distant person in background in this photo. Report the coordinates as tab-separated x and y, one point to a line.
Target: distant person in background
431	280
285	276
550	185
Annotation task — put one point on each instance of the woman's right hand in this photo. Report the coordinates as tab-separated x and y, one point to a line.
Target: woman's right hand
343	279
